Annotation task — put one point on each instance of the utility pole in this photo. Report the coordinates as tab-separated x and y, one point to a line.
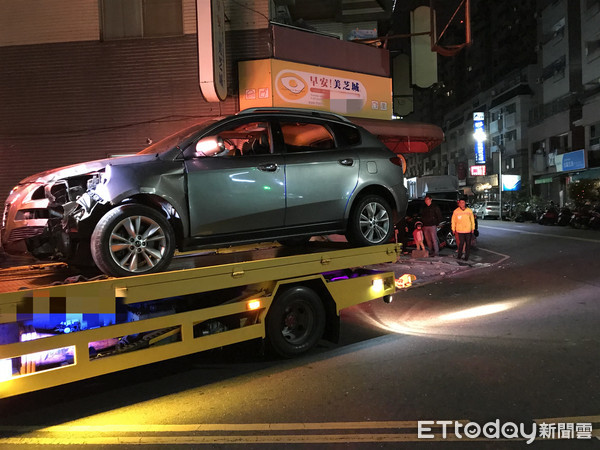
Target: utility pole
500	148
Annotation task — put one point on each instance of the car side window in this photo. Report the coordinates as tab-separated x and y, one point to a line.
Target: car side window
301	136
239	139
346	134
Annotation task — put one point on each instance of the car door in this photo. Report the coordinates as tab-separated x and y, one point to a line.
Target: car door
320	174
239	188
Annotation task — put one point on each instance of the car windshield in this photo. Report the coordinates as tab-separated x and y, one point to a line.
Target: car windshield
177	138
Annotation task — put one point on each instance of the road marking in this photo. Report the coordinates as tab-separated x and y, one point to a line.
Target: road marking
235	439
502	255
158	434
218	427
573	238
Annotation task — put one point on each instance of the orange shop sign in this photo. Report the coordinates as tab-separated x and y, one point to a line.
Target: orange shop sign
271	82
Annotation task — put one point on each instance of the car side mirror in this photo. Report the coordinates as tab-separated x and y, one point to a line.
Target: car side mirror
209	146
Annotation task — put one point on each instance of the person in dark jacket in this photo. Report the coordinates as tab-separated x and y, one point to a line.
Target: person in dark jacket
431	216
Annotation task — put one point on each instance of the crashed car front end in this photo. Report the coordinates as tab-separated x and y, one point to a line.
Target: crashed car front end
25	216
52	215
44	217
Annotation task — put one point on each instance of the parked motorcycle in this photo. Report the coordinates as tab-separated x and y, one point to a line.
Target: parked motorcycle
564	216
594	222
526	214
549	216
581	217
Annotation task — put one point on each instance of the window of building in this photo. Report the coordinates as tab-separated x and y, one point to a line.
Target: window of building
559	143
539	145
555	70
595	137
556	32
511	135
592	50
123	19
592	6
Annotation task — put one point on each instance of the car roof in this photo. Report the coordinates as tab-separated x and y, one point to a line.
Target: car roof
297	112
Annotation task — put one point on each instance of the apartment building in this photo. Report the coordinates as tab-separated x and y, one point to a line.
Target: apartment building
542	119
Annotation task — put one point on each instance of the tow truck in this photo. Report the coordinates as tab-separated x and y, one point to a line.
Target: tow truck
56	332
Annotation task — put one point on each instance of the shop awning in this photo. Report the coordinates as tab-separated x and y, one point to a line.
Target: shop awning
589	174
403	137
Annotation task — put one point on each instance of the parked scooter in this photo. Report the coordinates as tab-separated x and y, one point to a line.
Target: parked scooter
594	222
528	214
549	216
581	217
564	216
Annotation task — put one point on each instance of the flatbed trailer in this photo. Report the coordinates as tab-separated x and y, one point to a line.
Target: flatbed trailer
65	332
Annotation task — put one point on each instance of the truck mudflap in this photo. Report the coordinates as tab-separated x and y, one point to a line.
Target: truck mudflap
55	335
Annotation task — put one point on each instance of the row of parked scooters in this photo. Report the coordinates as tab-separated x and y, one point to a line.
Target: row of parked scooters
587	216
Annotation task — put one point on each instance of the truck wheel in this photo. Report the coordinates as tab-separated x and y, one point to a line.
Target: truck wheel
370	222
295	322
131	240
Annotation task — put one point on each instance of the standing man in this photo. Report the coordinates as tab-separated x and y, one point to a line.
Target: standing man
463	225
431	216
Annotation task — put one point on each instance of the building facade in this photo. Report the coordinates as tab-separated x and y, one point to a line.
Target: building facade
92	79
542	119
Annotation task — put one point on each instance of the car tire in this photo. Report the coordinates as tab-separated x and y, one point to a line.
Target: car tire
295	322
450	239
132	239
370	222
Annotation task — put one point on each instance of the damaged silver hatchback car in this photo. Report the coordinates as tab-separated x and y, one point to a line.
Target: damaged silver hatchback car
262	174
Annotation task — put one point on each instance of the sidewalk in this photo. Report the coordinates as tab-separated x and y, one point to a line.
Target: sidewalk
433	268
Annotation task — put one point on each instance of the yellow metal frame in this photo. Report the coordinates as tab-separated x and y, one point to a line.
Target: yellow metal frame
101	297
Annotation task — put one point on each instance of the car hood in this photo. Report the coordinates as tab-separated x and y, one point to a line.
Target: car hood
84	168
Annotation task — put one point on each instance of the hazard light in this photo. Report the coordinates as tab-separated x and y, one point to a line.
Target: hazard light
378	285
253	305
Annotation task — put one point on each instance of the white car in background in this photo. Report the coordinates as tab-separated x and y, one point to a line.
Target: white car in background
488	209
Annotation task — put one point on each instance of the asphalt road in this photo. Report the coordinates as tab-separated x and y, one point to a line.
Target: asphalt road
510	339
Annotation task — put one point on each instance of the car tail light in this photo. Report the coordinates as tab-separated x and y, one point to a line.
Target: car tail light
397	161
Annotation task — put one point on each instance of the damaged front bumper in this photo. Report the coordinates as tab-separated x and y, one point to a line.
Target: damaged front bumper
46	220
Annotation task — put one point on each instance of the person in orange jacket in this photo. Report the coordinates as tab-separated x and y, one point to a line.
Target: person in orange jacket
463	226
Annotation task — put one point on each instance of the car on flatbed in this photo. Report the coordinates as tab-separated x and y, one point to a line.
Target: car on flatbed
262	174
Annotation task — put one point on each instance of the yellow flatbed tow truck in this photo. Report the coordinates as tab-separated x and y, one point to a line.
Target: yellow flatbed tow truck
57	333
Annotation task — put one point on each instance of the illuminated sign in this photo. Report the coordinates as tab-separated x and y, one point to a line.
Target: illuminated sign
570	161
211	49
478	171
480	136
511	182
272	82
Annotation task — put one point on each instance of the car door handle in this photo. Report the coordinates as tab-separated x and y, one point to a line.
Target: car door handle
346	162
271	167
